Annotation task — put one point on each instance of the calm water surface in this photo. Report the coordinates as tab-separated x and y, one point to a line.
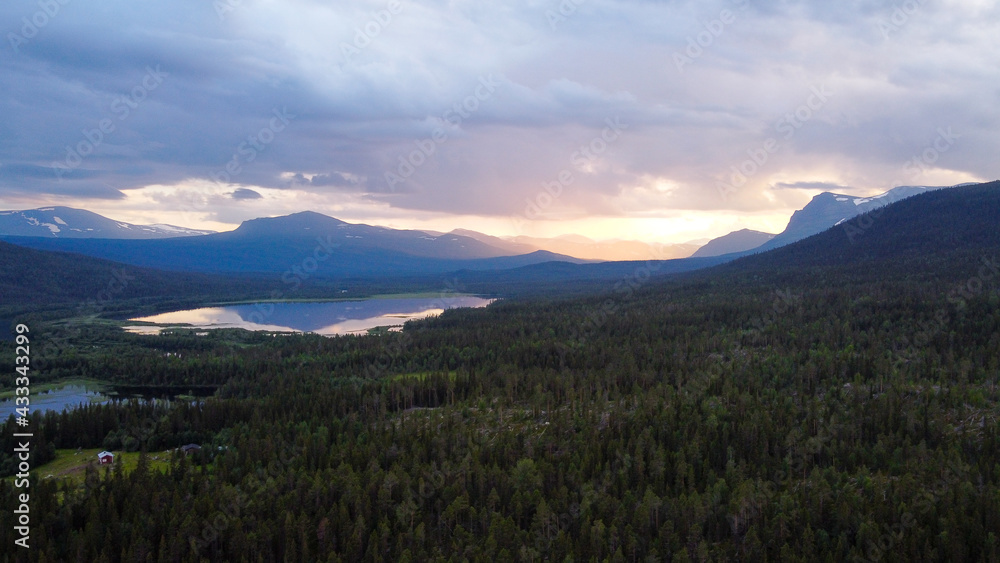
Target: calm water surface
67	397
327	318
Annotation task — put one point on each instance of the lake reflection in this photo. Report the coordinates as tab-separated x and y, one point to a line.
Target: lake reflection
67	397
327	318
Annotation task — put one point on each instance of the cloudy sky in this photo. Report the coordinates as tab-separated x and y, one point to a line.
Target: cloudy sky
658	120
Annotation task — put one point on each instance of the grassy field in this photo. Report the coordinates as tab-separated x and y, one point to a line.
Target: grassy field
71	464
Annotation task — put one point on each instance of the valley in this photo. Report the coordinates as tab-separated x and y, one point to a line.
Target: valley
559	281
832	399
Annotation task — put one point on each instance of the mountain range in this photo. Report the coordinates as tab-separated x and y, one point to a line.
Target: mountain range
67	222
585	248
825	210
308	245
311	245
958	226
305	244
829	209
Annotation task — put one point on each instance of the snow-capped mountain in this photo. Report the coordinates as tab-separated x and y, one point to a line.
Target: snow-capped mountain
67	222
830	209
307	242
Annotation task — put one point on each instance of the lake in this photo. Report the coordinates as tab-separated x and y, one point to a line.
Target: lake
321	317
69	396
76	393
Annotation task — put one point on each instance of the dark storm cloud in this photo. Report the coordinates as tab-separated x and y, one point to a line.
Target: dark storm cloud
334	179
245	193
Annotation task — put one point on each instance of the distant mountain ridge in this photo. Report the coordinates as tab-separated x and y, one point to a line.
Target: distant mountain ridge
456	245
909	231
961	221
67	222
612	250
584	248
825	210
310	243
829	209
736	241
936	227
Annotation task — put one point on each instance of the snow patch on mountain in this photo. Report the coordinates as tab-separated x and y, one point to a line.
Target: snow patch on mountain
78	223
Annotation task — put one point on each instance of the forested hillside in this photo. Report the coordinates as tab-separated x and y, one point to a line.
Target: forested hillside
30	279
841	407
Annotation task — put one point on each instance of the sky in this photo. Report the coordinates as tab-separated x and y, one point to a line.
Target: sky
663	121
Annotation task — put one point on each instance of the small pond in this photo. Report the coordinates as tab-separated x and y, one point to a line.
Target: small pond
69	396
